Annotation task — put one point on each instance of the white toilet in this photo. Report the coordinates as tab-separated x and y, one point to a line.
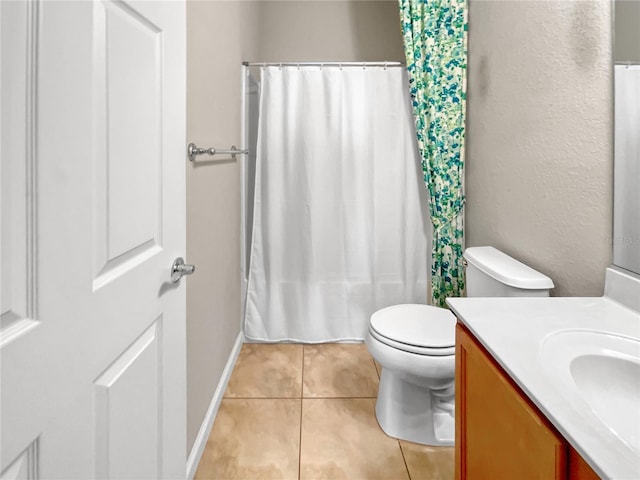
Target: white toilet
415	344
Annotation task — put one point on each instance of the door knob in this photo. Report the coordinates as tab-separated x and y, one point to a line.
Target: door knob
179	268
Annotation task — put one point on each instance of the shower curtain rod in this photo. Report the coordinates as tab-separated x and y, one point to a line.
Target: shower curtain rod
323	64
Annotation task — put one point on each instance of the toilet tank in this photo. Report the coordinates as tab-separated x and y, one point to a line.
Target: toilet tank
492	273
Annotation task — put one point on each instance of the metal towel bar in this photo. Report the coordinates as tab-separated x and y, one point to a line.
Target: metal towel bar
193	151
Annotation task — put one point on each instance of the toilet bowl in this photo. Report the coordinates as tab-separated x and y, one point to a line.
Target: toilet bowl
415	345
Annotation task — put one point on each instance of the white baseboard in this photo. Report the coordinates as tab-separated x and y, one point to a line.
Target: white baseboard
212	411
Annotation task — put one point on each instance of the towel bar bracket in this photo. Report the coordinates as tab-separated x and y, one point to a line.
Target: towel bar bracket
193	151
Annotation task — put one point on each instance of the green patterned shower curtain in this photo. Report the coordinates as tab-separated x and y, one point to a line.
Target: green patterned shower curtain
435	37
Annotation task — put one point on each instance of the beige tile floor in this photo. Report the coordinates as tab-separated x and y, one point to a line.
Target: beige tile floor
308	412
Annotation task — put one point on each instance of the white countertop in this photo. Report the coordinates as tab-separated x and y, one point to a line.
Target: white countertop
512	330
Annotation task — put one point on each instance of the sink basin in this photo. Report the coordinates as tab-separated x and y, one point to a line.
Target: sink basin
604	371
611	385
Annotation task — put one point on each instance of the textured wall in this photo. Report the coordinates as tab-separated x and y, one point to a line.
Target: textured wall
539	144
222	34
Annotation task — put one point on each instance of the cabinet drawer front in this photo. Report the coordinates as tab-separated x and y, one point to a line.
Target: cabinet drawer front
500	433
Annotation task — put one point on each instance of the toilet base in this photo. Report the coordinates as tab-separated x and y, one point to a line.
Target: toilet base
414	413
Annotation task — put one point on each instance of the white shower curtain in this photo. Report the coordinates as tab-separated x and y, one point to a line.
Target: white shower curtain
340	228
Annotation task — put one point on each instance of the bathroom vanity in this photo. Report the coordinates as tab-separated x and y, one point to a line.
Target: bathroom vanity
549	388
499	432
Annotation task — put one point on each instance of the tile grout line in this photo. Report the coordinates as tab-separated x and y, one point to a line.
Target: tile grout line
356	397
376	367
404	460
295	397
301	397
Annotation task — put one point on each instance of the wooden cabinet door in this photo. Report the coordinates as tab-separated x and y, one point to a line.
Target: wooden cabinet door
499	434
579	469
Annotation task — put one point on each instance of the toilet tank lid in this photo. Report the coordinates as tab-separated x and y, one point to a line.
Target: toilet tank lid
506	269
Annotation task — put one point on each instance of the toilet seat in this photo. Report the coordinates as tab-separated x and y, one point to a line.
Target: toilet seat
413	328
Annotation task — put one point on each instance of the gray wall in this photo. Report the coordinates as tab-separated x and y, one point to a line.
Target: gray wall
539	137
329	31
222	34
627	33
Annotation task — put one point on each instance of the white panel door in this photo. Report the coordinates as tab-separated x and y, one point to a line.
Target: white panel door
92	334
